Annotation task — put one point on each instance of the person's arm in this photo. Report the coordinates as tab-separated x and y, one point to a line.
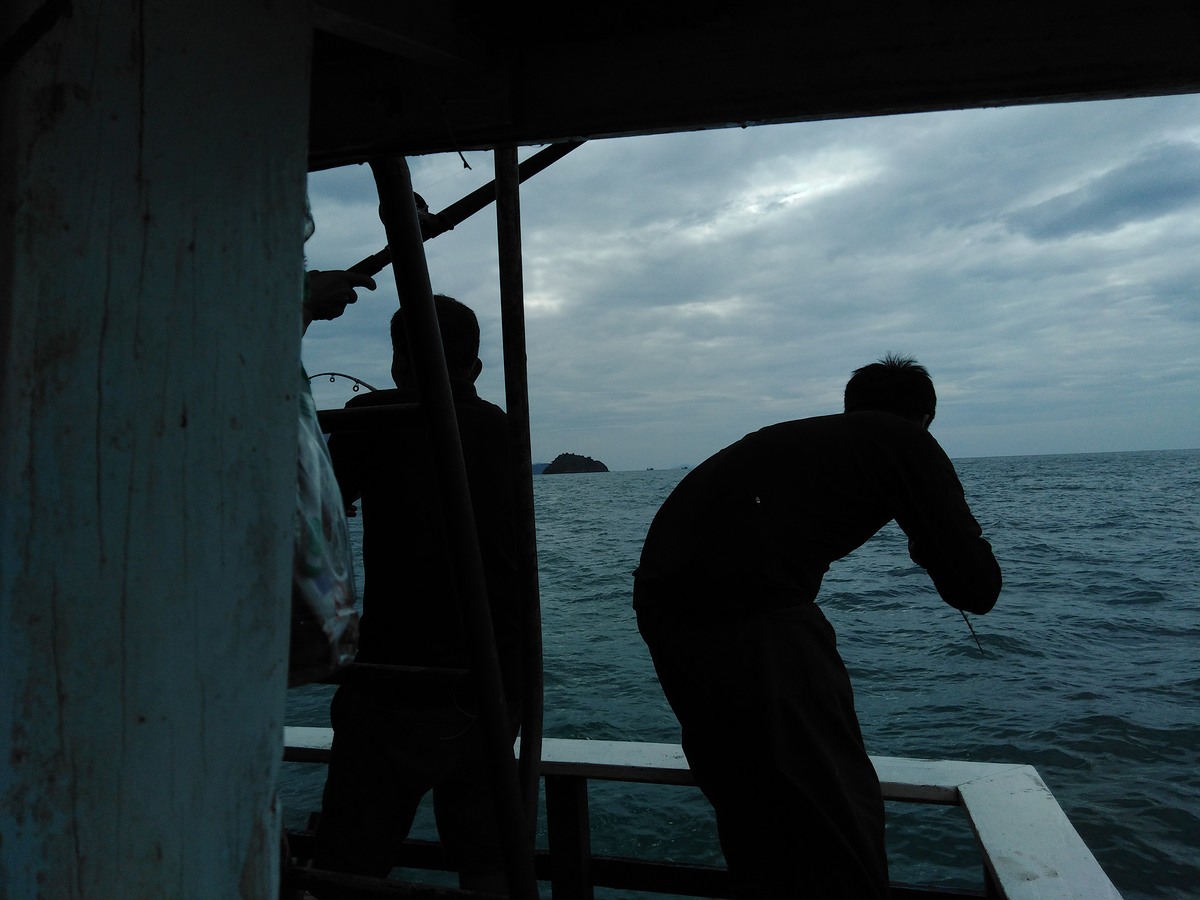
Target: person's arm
944	538
329	293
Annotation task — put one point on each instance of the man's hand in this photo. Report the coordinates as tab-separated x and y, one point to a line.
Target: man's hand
330	292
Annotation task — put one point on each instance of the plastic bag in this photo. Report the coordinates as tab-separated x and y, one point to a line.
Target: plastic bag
324	634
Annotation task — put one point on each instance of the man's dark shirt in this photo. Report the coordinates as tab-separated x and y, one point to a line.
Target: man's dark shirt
760	522
410	611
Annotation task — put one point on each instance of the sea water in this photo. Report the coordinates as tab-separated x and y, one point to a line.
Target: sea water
1088	668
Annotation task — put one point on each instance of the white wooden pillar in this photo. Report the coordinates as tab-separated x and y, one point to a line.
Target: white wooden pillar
151	258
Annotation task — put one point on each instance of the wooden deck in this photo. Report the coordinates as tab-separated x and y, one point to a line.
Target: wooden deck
1029	849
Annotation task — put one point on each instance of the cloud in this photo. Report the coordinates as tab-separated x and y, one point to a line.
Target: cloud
685	289
1163	180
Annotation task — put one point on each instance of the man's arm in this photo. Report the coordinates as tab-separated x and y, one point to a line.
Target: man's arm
969	578
945	539
328	294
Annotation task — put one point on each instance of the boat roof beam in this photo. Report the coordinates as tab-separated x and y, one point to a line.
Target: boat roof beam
633	69
420	32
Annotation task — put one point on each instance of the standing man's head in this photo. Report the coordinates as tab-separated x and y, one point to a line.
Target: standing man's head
460	342
895	384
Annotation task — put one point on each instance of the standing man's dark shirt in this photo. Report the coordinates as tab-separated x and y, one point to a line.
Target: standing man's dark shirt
398	738
768	514
410	611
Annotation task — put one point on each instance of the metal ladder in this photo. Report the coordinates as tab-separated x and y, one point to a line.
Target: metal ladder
407	226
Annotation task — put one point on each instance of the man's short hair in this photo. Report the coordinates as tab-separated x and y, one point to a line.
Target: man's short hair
895	384
460	333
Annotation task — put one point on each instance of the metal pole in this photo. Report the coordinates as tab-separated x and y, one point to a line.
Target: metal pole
461	210
516	394
481	197
403	229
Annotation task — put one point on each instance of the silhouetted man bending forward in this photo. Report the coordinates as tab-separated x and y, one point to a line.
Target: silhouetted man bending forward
725	597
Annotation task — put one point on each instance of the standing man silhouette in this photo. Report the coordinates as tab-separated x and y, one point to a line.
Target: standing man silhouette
395	740
725	598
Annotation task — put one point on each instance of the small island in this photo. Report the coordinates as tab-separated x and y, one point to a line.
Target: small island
570	463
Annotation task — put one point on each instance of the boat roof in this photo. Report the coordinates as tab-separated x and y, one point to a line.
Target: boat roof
429	77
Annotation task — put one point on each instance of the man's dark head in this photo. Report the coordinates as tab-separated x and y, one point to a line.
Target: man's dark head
460	341
895	384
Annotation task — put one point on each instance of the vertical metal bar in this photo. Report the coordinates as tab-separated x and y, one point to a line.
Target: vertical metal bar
569	835
399	215
516	398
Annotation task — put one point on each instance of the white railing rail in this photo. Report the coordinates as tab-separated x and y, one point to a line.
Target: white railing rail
1030	849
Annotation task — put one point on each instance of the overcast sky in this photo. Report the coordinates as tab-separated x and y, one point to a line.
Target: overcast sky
683	290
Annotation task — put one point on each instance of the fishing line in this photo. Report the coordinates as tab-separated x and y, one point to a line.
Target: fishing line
973	634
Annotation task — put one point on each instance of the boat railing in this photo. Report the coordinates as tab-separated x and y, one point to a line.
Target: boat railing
1028	847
